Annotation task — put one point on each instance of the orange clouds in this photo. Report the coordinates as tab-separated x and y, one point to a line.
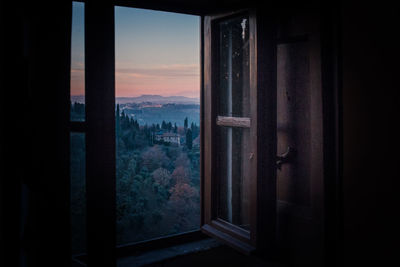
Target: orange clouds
77	81
174	79
166	80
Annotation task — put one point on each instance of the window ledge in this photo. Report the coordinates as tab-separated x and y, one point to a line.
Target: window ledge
167	253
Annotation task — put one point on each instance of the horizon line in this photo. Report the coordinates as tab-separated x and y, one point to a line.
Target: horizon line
146	95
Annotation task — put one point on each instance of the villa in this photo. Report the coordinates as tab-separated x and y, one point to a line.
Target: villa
172	138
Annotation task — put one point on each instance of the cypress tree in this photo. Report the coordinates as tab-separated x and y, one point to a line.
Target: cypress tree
185	124
189	140
117	123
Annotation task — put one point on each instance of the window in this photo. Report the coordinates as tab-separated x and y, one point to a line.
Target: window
157	124
232	143
239	188
235	99
77	134
78	63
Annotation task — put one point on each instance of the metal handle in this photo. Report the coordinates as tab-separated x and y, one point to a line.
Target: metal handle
286	157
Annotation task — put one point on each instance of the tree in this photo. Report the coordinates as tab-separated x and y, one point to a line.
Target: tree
117	123
132	166
154	157
184	206
183	192
77	111
189	139
195	130
185	123
162	177
181	175
182	161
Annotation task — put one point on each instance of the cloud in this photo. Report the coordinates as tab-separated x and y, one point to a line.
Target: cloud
172	79
77	66
78	71
173	70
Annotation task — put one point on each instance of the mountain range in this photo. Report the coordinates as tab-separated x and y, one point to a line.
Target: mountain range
155	99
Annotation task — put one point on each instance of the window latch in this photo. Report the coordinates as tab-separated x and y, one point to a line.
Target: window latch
286	157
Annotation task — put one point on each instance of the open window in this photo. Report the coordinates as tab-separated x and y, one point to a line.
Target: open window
157	73
239	185
251	108
238	122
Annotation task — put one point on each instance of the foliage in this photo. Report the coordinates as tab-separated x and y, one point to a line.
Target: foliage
77	112
157	184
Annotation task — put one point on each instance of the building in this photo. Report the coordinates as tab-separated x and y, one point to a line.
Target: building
172	138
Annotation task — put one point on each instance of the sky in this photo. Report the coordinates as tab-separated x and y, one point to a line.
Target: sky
155	53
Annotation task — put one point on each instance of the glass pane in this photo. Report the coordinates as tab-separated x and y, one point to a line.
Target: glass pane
78	192
157	124
234	83
77	89
233	158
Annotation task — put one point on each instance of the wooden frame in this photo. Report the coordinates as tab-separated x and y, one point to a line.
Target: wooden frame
104	242
331	77
266	76
100	133
262	122
77	126
333	157
233	122
101	239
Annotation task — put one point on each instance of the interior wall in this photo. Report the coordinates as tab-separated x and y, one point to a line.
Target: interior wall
35	60
370	141
11	59
300	182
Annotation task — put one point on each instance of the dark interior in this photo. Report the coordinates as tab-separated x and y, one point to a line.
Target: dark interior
335	206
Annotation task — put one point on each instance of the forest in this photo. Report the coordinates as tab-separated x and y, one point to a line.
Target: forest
157	182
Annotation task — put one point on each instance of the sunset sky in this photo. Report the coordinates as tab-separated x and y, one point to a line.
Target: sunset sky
156	53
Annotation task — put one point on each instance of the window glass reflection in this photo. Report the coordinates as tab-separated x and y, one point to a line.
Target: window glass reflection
234	83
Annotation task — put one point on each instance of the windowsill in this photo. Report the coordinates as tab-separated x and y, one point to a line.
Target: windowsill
201	253
159	255
154	252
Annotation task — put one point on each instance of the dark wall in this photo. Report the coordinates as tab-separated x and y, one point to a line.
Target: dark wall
370	138
34	146
11	59
35	68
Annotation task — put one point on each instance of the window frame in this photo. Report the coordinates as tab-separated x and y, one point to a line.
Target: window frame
90	127
214	226
262	38
263	237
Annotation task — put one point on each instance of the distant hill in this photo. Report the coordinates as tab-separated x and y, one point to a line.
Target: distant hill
78	99
155	99
158	99
156	113
153	109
